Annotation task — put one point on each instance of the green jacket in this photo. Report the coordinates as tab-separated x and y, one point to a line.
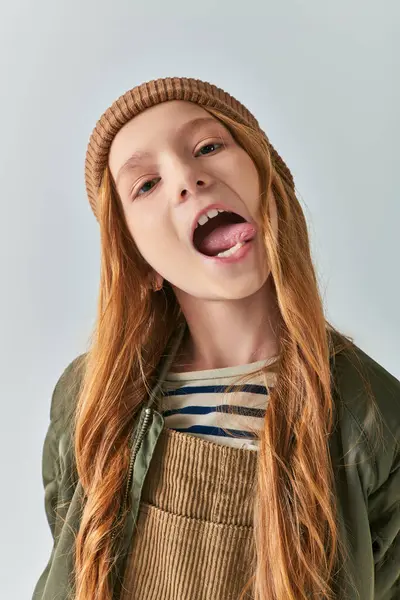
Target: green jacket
366	466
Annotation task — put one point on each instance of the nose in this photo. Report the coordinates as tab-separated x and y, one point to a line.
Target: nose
188	181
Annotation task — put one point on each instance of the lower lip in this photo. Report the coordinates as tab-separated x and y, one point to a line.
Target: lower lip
234	258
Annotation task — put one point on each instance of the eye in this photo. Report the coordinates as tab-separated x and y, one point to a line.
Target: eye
209	146
146	183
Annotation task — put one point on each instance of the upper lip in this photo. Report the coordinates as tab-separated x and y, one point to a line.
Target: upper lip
211	206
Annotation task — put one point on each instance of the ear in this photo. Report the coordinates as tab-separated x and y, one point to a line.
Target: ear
155	281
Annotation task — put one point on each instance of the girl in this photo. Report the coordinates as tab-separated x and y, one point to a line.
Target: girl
219	439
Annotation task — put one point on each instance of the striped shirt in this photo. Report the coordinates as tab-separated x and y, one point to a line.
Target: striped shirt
195	403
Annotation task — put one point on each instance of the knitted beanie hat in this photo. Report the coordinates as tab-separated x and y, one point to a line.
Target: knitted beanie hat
148	94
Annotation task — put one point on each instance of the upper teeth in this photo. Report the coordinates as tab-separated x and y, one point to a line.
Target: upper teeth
210	214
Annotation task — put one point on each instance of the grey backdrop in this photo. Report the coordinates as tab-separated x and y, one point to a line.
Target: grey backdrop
321	77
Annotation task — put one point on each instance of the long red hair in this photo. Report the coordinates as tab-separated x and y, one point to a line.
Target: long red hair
298	547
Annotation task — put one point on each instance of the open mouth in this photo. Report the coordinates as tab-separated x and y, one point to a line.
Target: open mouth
221	233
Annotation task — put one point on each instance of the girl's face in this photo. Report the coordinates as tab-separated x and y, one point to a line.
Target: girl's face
188	160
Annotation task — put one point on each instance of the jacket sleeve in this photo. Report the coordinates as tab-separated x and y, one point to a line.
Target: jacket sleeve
384	496
53	463
384	518
380	434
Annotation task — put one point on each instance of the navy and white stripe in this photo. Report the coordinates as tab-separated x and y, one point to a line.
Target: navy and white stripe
195	403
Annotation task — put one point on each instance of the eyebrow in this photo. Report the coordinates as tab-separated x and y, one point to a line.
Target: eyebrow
135	159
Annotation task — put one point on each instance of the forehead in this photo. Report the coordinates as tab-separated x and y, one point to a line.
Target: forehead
148	129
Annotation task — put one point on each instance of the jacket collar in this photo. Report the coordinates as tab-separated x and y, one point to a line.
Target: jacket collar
165	363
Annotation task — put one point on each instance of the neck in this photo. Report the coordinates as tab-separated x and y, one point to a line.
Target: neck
229	333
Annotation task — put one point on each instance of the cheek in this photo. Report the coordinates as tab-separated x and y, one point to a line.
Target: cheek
151	236
248	184
143	223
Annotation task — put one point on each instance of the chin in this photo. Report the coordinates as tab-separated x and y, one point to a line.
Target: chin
238	290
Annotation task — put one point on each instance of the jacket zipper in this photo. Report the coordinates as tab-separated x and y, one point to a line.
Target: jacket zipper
143	429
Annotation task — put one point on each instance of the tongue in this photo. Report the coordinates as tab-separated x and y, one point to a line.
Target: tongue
226	236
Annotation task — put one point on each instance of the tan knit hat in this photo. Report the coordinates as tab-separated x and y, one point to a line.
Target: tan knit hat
148	94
